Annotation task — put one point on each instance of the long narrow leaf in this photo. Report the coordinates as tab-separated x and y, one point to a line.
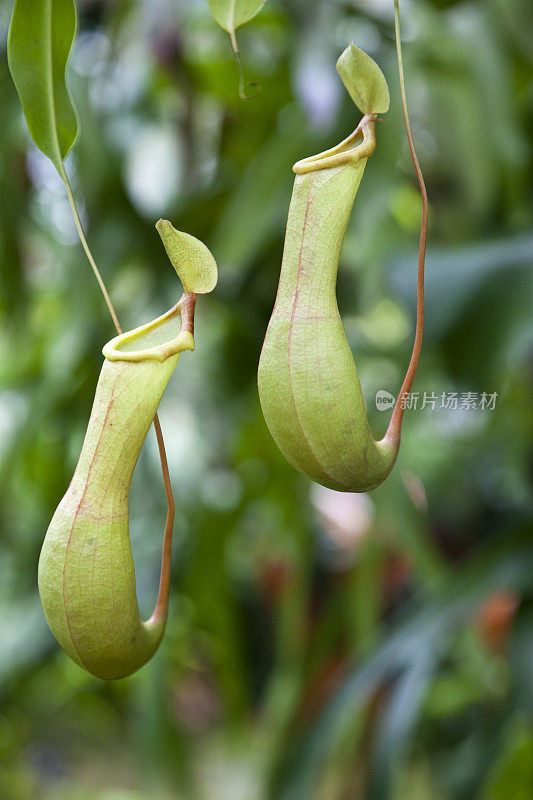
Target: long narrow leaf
40	38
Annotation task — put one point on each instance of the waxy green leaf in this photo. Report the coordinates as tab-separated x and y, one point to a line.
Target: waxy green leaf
40	38
364	80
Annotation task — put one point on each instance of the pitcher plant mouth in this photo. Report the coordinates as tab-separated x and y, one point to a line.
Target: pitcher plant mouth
346	152
168	335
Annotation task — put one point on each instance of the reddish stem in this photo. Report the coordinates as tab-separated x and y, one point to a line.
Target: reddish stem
394	429
161	608
187	306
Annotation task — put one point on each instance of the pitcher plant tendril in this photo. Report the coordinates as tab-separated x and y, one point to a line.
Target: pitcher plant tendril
397	414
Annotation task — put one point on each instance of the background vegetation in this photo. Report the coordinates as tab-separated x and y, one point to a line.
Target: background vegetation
319	646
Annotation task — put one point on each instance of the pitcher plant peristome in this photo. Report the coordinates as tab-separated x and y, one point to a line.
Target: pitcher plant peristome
86	570
309	388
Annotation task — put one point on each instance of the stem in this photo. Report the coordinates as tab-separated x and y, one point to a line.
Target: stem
235	48
161	608
89	255
187	304
394	429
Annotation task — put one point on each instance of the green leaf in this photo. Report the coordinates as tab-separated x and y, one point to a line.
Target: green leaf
40	38
364	80
192	260
231	14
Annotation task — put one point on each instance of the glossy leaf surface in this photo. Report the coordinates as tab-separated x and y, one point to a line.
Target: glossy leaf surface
40	39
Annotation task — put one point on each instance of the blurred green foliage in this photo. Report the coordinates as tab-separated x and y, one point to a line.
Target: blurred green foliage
319	646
